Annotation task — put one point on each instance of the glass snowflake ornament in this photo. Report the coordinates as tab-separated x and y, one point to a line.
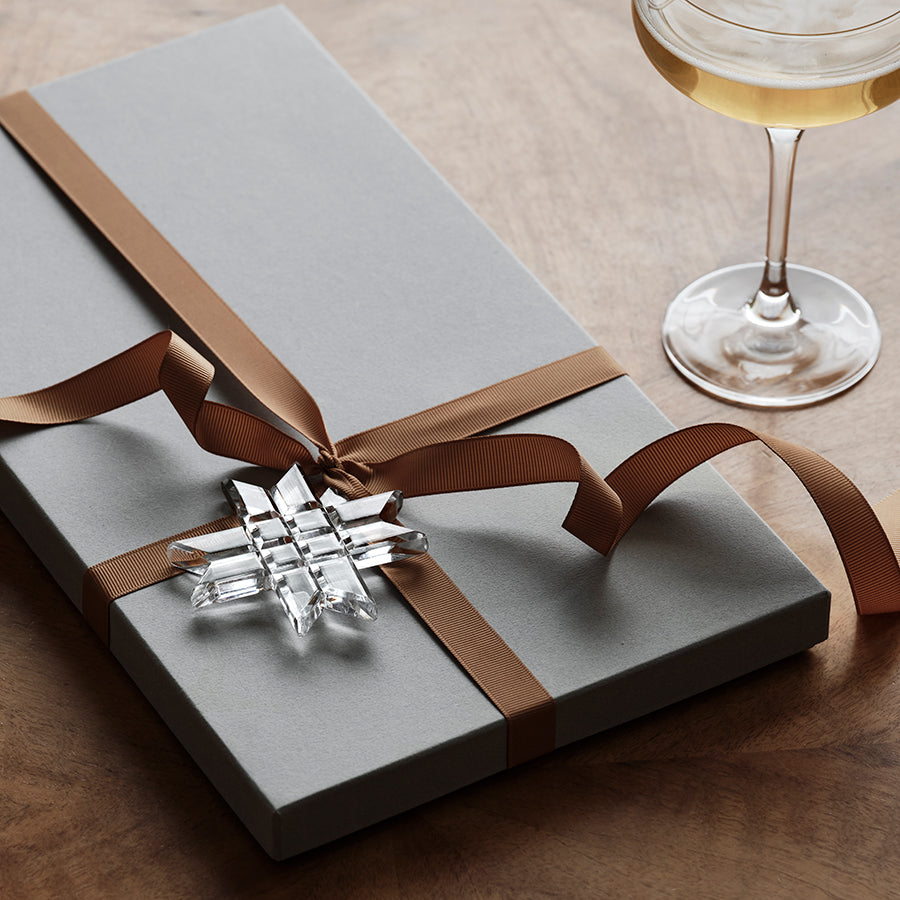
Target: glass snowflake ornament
308	551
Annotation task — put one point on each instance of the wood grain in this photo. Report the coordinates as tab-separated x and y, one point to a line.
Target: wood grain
615	191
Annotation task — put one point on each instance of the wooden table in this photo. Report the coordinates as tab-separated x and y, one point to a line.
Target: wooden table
615	191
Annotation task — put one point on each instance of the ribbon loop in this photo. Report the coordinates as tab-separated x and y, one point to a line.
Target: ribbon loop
865	541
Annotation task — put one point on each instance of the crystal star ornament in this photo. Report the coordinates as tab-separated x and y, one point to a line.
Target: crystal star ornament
308	550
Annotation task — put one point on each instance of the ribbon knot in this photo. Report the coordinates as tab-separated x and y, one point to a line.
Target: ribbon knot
330	464
345	476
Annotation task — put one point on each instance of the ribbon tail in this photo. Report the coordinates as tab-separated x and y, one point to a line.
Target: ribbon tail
870	560
125	378
163	361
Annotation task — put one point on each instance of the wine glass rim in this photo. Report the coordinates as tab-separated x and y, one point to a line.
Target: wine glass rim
855	29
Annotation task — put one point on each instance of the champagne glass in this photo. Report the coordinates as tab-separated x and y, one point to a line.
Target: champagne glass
742	333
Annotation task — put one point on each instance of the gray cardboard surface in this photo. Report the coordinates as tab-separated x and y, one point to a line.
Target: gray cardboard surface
355	262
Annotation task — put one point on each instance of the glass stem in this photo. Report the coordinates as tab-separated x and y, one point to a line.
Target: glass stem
773	302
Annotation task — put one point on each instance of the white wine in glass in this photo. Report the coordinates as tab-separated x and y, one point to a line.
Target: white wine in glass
774	334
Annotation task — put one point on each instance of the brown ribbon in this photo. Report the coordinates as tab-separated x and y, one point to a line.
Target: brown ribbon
429	452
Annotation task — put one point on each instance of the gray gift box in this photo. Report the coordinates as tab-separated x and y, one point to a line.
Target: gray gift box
318	223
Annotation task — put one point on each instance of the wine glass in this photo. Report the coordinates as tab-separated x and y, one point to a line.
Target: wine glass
740	333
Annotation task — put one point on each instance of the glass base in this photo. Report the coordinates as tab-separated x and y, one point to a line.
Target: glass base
715	341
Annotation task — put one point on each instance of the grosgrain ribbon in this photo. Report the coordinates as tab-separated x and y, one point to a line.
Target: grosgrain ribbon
429	452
